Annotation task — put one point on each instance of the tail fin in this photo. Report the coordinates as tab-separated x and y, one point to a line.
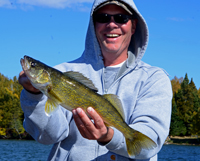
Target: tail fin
137	142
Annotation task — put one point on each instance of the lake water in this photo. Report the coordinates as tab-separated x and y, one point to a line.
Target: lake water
179	153
20	150
17	150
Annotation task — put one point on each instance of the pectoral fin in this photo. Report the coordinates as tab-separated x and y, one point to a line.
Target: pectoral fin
52	104
50	107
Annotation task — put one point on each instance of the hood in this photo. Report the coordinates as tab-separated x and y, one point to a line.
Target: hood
138	44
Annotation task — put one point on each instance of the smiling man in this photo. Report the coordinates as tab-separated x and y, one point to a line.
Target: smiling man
116	41
114	38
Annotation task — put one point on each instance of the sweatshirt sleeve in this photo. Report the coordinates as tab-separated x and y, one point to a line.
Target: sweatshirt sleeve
41	127
151	115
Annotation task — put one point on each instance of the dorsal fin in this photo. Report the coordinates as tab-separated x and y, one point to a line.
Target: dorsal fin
115	101
81	79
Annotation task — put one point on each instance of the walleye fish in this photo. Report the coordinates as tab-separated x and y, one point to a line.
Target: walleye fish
72	90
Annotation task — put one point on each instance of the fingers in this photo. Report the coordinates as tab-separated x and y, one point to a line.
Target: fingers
97	119
84	124
25	82
87	128
22	77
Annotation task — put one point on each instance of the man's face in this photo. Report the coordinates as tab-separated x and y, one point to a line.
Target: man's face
114	38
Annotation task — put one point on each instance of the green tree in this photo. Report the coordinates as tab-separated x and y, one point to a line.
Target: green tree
11	114
176	84
187	102
181	99
2	130
199	92
194	126
177	126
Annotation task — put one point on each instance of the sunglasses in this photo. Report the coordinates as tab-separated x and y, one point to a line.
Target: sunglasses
106	18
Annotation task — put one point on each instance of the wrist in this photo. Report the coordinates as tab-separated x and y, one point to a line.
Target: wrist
107	137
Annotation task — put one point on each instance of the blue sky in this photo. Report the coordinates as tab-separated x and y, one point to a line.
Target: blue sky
53	31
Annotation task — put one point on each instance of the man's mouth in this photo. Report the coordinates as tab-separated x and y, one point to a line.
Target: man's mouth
112	35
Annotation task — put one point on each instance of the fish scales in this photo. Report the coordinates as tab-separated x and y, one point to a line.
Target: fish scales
74	97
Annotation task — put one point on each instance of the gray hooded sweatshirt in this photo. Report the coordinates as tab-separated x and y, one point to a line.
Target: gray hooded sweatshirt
144	90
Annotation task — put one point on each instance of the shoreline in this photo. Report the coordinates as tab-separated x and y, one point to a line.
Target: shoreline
176	140
184	140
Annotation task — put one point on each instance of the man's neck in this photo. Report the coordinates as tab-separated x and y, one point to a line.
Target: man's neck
111	61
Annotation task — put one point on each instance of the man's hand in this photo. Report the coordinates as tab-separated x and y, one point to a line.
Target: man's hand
25	82
89	130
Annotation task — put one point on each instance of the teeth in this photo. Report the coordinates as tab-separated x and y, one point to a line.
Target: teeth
112	35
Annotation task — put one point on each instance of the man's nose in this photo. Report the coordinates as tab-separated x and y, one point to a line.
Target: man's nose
112	22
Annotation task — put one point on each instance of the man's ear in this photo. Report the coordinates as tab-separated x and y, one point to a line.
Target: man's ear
134	24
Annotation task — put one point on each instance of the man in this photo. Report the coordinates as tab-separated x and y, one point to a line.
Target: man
115	43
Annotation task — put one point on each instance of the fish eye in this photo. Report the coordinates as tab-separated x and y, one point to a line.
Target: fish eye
33	64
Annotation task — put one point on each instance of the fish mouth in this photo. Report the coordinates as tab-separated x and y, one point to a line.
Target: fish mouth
25	66
24	63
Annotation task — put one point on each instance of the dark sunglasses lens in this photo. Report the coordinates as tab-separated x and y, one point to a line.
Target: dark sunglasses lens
105	18
121	18
102	18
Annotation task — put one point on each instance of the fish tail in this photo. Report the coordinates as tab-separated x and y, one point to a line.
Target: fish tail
138	141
